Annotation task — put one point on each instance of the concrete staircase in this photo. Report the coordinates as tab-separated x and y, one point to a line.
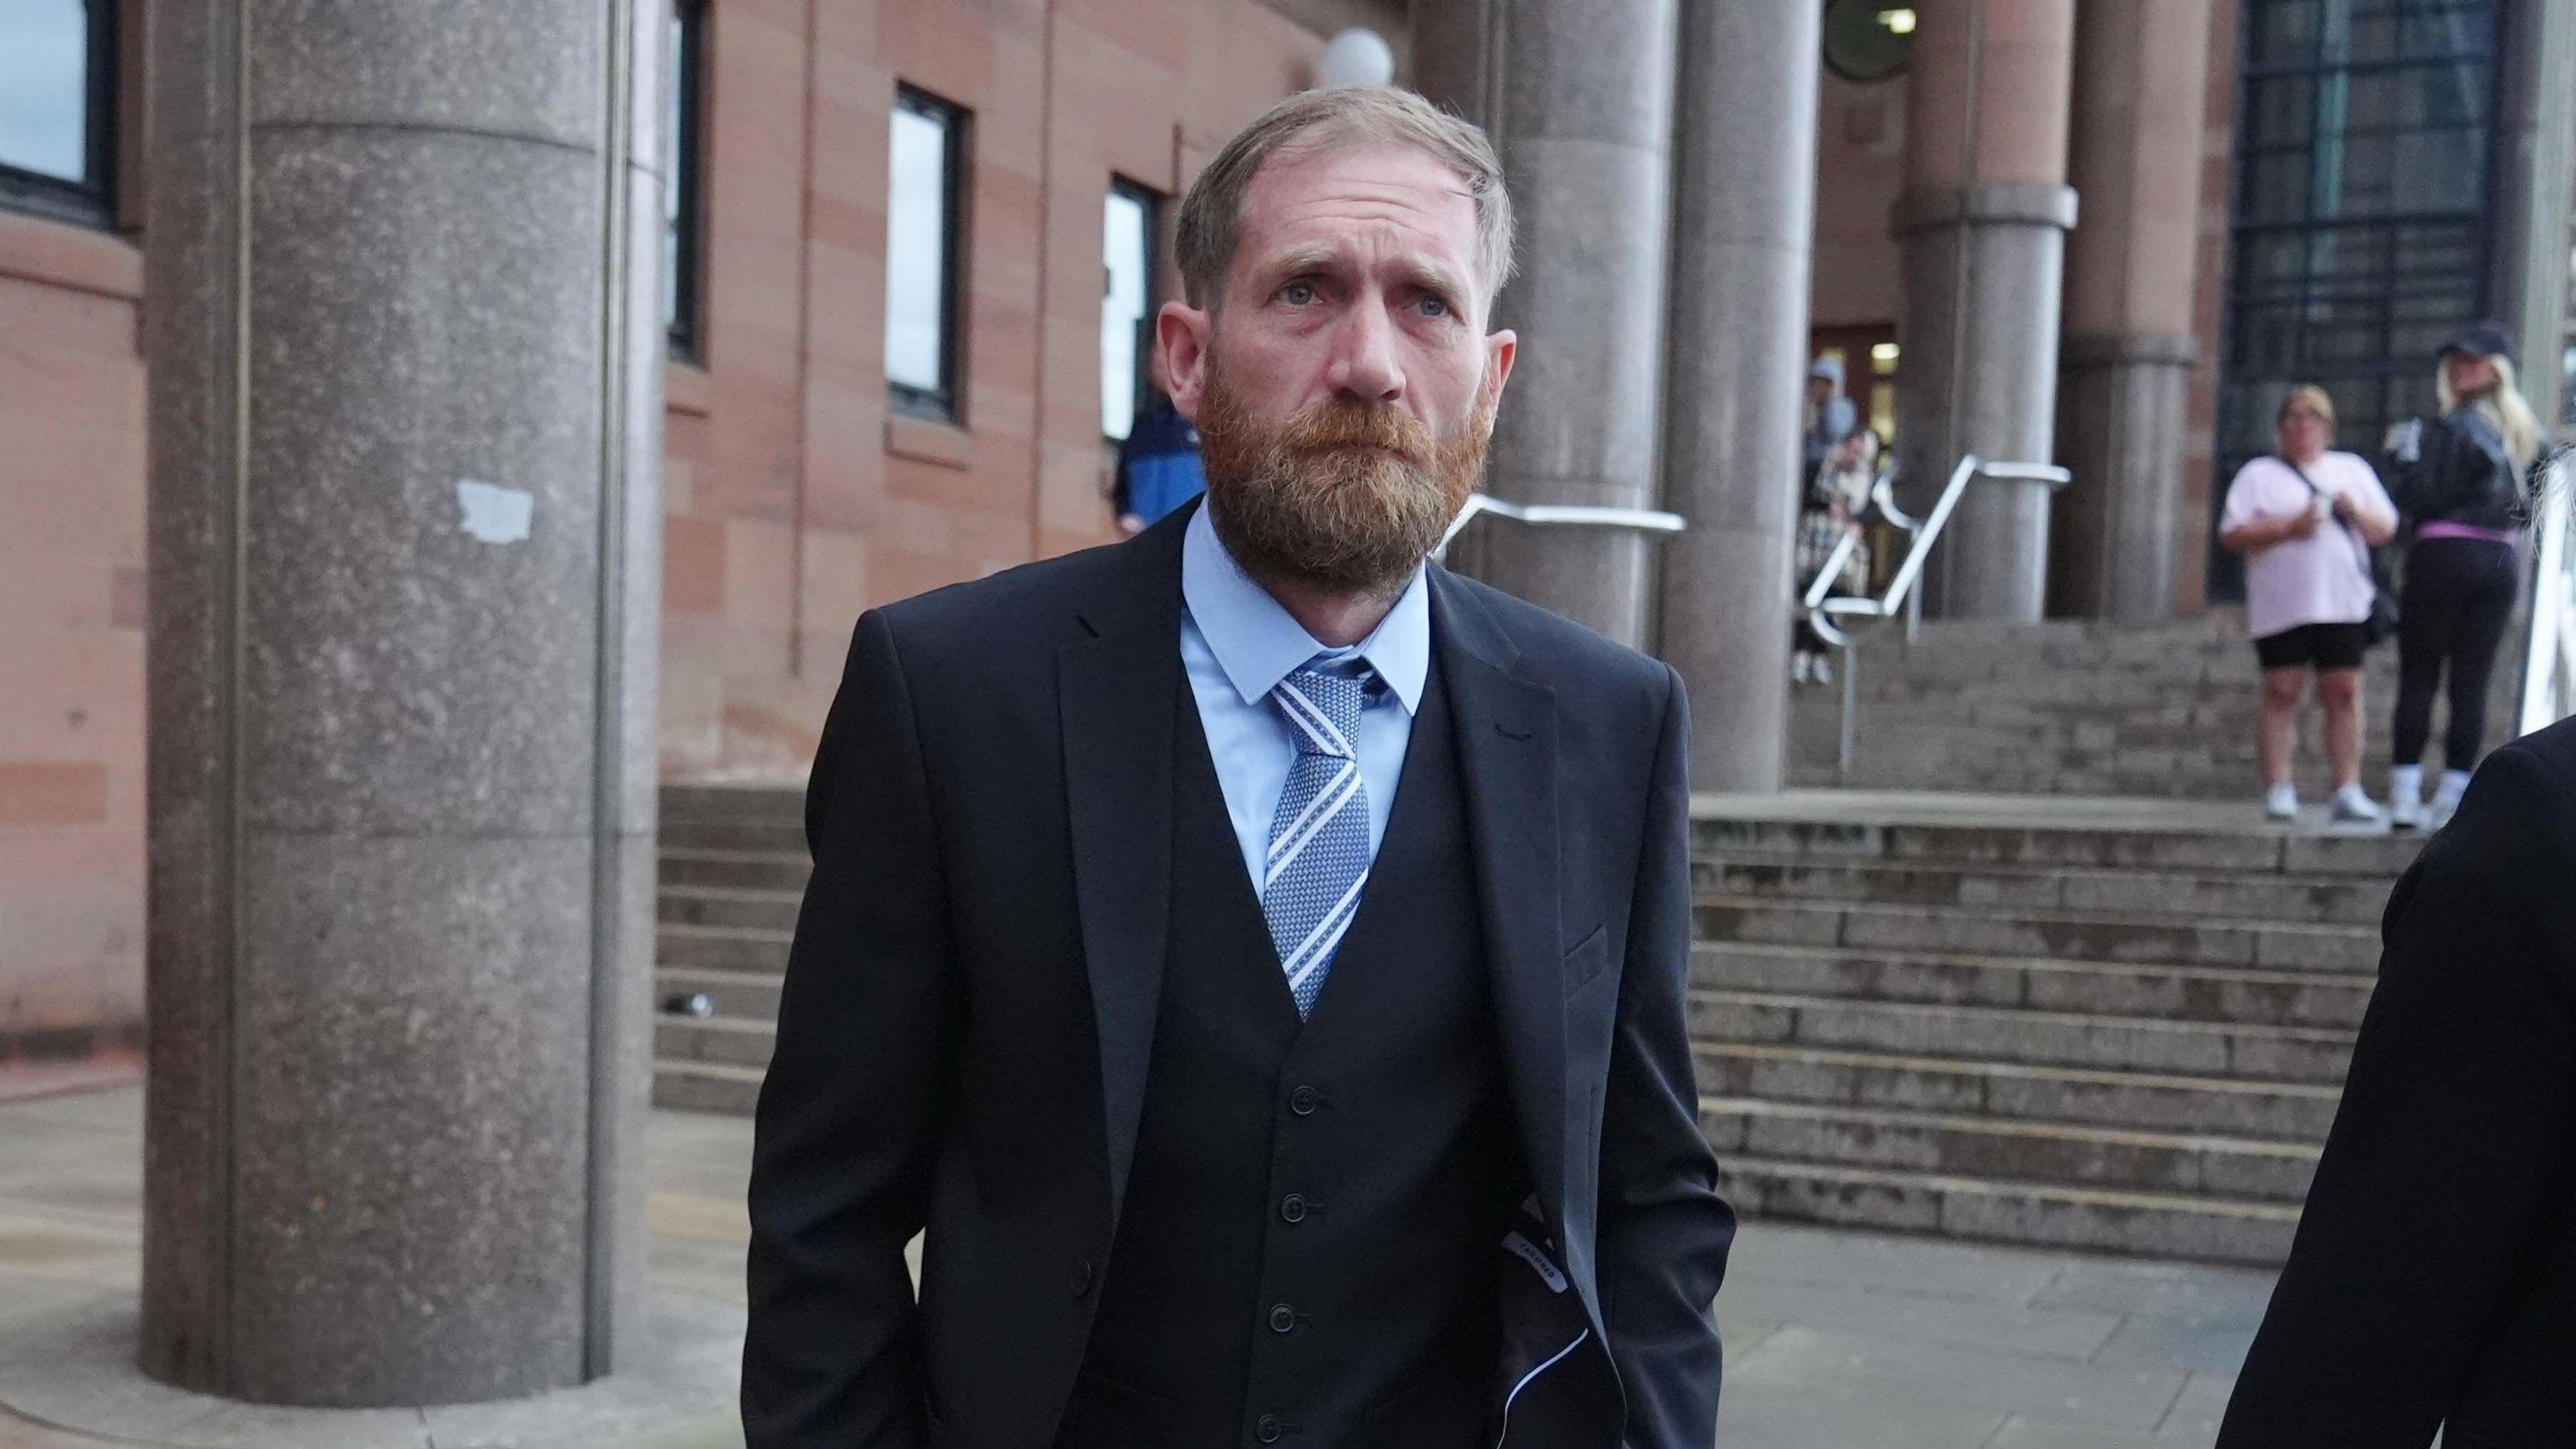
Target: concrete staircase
2082	709
2089	1024
2124	1033
733	871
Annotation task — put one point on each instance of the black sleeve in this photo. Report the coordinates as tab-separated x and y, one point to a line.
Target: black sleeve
849	1117
1664	1231
1121	493
2453	1142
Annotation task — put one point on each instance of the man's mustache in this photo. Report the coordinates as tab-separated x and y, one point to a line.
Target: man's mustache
1343	426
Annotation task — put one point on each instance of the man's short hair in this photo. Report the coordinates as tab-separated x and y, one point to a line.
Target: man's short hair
1212	214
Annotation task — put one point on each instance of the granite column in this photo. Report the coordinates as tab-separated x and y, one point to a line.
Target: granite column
1577	95
1984	221
406	357
1743	230
2124	379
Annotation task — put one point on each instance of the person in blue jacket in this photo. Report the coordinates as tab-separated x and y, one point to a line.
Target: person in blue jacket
1158	464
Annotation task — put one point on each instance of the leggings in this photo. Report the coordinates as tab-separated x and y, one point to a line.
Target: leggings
2459	593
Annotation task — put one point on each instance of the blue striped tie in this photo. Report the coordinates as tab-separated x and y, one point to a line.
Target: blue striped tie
1319	840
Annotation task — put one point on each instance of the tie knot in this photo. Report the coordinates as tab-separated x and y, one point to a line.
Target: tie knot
1323	709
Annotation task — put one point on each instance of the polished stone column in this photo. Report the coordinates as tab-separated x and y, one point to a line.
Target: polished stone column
406	417
2124	379
1984	222
1577	94
1744	199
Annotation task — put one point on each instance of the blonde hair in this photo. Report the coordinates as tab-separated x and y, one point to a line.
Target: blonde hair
2311	394
1212	214
2504	406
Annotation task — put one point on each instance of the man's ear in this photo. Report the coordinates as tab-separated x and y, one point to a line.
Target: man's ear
1500	349
1183	332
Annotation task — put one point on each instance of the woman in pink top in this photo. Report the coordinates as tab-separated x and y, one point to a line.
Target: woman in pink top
2304	520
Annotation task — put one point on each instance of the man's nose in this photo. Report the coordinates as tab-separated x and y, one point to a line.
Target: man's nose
1364	365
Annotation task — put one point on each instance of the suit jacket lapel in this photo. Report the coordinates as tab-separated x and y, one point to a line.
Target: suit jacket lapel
1116	696
1506	727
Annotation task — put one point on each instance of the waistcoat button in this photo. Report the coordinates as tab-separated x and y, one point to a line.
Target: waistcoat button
1293	1208
1302	1101
1266	1429
1282	1318
1081	1278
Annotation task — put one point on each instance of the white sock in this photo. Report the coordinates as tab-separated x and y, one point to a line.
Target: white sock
2455	783
2283	797
2406	785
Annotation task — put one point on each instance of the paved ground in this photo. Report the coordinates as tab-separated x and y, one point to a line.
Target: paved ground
1834	1340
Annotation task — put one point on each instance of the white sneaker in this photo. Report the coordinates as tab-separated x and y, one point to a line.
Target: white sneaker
2406	797
1801	667
2352	807
1824	669
2281	802
2446	798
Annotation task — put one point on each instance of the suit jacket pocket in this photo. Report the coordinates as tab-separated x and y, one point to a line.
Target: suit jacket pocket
1106	1414
1583	964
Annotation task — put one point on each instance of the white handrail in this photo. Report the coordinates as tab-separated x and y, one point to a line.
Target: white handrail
2549	664
1902	597
1584	515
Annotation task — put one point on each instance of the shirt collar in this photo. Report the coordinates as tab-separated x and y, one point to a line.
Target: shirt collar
1257	642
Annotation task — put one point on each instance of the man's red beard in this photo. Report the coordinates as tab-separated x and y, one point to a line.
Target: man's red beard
1345	497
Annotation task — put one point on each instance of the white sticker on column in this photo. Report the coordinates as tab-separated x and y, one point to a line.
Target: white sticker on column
493	513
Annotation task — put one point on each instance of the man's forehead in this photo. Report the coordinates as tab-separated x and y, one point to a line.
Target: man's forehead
1330	189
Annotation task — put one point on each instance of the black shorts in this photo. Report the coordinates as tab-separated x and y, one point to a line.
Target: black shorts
2327	646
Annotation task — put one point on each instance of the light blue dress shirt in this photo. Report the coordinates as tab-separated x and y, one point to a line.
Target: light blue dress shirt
1237	643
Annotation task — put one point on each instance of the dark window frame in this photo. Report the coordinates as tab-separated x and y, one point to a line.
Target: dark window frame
1152	202
92	201
2295	317
945	402
688	326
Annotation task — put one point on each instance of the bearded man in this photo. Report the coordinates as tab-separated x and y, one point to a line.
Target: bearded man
1252	956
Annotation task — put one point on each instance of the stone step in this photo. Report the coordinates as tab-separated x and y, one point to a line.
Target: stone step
737	995
2172	993
2255	847
1983	1209
722	948
762	910
735	869
2056	935
2014	1034
2148	1101
724	1040
706	1087
757	837
736	804
2336	900
1957	1145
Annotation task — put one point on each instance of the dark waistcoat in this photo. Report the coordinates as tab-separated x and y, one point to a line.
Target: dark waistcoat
1307	1250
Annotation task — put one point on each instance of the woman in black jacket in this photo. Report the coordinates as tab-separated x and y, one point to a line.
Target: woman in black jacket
2459	480
2433	1279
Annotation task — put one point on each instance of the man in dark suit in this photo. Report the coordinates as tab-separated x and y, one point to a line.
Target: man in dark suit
2432	1284
1254	956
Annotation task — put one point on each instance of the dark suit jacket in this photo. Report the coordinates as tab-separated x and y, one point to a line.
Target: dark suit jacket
970	1003
2434	1273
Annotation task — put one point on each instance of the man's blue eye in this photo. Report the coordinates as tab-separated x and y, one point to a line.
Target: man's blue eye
1297	294
1434	307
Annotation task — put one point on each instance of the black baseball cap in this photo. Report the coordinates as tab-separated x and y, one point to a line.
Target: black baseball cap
2479	339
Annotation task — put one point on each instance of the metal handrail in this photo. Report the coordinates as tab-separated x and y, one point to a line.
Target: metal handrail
1903	596
1580	515
2549	662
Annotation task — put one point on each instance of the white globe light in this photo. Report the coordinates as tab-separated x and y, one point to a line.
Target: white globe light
1356	57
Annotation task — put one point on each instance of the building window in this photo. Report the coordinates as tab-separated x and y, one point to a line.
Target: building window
1129	230
58	108
2365	149
684	224
924	245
